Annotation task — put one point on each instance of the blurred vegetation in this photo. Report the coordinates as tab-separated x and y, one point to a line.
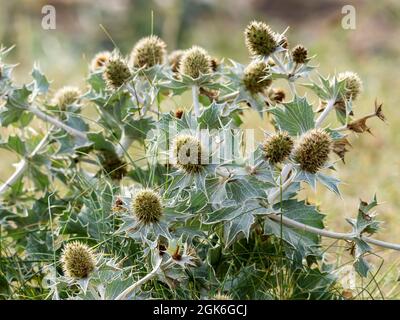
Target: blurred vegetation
372	166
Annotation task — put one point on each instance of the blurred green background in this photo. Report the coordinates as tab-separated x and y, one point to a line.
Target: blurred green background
372	50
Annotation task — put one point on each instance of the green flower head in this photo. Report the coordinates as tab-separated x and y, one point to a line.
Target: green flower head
278	147
146	206
66	96
353	84
255	77
299	54
188	153
116	73
78	260
194	62
148	52
260	39
313	150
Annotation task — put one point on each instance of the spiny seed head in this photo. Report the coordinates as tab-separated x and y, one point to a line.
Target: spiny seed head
260	39
174	59
116	72
353	84
313	150
66	96
299	54
100	60
255	77
277	147
187	153
194	62
148	52
77	260
146	206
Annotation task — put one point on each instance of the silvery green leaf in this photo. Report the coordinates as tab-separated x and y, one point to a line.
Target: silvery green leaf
296	117
14	143
330	182
240	224
362	267
361	247
40	84
307	177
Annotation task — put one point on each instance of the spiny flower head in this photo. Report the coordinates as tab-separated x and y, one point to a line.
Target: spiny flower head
353	84
116	73
100	60
299	54
313	150
194	62
188	153
277	147
260	39
146	206
148	52
174	59
255	77
78	260
66	96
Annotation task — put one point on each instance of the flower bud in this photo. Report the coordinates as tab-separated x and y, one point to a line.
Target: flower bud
65	97
174	59
100	60
146	206
260	40
313	150
148	52
255	77
195	61
277	147
78	260
353	84
116	73
187	153
299	54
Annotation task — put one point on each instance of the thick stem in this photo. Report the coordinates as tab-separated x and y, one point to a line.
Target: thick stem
138	283
124	144
330	234
22	166
57	123
195	96
325	113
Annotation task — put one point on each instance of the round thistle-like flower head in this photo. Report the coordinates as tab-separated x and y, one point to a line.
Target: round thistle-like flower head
147	206
313	150
148	52
100	60
260	40
116	72
194	62
353	84
66	96
277	147
187	153
299	54
255	77
78	260
174	59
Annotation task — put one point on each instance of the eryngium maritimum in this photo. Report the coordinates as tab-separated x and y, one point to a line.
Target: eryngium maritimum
187	153
116	73
260	39
148	52
255	77
313	150
77	260
277	147
66	96
146	206
194	62
100	60
353	84
299	54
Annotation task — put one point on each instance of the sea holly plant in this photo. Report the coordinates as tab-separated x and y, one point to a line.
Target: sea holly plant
138	202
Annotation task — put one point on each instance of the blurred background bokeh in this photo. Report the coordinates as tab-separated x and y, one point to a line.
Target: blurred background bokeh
372	50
